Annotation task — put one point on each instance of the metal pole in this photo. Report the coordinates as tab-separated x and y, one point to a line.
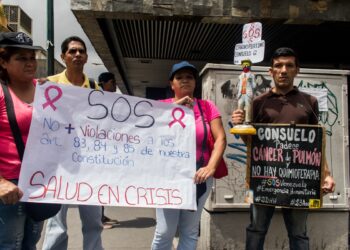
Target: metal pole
50	39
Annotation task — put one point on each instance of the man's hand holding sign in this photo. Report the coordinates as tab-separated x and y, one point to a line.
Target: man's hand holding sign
103	148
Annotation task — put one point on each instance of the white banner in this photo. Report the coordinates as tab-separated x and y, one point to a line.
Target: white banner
100	148
252	51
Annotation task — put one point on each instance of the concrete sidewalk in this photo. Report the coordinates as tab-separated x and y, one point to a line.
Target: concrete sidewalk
135	231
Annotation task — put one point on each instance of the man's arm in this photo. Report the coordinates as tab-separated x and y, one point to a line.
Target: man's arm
328	181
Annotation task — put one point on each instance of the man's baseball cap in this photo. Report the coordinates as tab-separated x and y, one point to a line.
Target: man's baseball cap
182	65
17	40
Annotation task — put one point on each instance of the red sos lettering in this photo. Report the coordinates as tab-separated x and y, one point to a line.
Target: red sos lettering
252	33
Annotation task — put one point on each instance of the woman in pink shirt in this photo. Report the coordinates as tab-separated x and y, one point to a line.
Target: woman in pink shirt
17	71
182	79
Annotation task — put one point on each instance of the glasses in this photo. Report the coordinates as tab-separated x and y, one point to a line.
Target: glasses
74	51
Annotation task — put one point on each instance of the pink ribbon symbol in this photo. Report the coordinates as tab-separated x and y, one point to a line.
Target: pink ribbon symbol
50	101
177	120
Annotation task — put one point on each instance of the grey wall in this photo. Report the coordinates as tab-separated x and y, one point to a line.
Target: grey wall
298	11
219	84
226	231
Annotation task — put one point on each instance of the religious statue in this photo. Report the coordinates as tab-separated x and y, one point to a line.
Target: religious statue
246	85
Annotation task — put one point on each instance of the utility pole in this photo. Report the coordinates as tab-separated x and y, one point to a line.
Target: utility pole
50	39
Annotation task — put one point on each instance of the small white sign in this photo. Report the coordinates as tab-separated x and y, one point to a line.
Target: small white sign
252	32
252	51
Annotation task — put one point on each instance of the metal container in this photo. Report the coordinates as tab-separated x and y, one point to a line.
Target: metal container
227	212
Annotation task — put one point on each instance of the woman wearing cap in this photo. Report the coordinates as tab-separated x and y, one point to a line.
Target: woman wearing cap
17	71
182	79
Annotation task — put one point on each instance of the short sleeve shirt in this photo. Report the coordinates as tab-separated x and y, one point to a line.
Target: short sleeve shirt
62	78
294	107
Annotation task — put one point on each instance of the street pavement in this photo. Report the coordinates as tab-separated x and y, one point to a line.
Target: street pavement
135	231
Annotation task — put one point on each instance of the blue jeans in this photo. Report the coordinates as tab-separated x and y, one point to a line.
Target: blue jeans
56	237
260	218
187	222
17	230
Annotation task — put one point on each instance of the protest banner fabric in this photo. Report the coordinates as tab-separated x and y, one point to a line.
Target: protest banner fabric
100	148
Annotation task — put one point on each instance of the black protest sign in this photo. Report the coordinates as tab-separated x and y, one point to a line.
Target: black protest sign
286	165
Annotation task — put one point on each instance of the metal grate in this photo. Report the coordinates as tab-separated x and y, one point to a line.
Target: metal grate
11	13
26	22
14	27
16	16
174	39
